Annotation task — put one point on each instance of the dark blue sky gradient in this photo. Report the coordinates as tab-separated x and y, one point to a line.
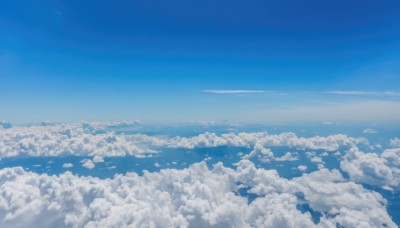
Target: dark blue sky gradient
68	50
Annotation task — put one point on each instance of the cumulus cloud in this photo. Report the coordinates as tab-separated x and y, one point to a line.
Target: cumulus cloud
288	157
314	158
78	139
192	197
88	164
68	165
98	159
395	142
100	125
302	168
263	154
369	131
84	139
371	168
289	139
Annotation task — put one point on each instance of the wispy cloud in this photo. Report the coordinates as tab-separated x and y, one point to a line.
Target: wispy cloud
364	93
233	91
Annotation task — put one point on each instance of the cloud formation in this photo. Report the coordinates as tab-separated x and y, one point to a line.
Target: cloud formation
395	142
374	169
88	139
78	139
193	197
67	165
88	164
369	131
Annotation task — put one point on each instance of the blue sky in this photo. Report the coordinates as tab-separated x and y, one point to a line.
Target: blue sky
158	60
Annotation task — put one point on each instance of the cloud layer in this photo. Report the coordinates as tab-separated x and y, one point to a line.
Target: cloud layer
95	139
372	168
196	196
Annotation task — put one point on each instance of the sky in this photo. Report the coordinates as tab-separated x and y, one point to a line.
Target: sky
192	60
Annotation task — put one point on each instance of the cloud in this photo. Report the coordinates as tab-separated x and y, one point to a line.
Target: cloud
302	168
121	124
314	158
193	197
263	154
82	139
395	142
369	131
98	159
234	91
289	139
76	139
288	157
88	164
371	168
68	165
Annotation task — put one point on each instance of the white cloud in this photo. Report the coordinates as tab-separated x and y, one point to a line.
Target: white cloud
233	91
192	197
371	168
82	139
98	159
325	154
395	142
369	131
289	139
100	125
392	157
68	165
88	164
288	157
302	168
314	158
263	154
337	153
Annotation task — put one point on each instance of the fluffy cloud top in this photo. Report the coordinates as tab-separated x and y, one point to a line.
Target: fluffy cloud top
395	142
71	139
372	168
193	197
93	139
329	143
68	165
289	156
88	164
